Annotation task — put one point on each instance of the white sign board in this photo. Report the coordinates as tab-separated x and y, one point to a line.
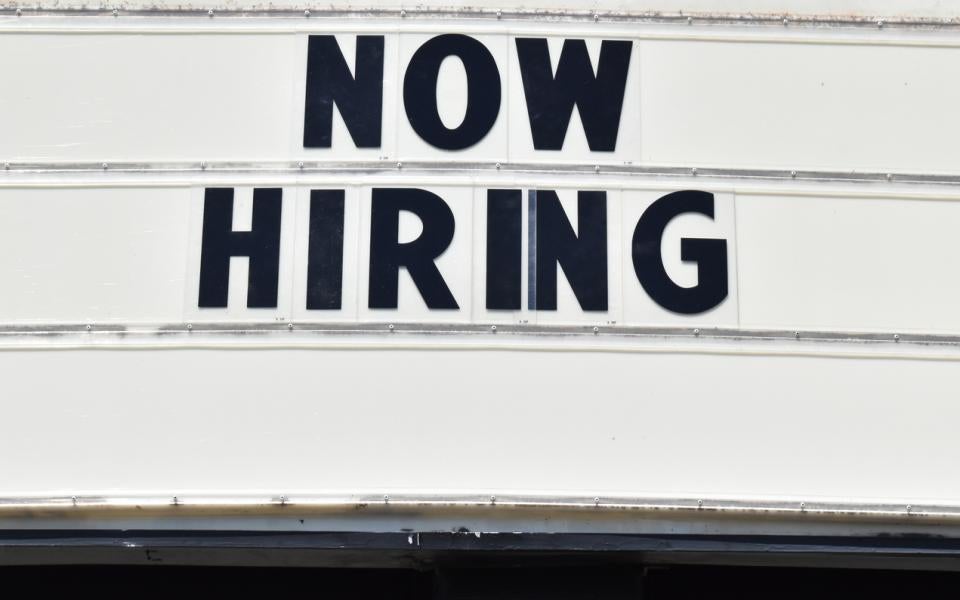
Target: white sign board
326	259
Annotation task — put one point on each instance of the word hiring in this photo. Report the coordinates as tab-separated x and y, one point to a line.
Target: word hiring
550	96
553	243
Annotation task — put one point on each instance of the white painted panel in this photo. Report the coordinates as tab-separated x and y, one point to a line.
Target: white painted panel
819	106
848	263
163	97
93	254
812	99
490	421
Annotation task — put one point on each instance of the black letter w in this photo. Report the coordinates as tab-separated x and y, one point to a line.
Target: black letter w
550	100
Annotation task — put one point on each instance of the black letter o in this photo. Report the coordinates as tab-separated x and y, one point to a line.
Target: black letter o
483	91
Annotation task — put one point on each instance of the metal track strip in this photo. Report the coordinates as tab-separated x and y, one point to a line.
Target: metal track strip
393	503
12	168
105	330
679	17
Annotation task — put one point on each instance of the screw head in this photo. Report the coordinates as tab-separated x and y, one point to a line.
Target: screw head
104	166
596	329
498	165
796	334
300	165
880	24
89	327
19	12
403	13
896	337
803	506
909	508
189	326
786	22
493	499
290	326
390	326
696	332
493	328
399	165
596	168
693	171
116	12
306	13
203	166
699	503
210	13
386	498
596	16
889	176
499	14
793	174
689	20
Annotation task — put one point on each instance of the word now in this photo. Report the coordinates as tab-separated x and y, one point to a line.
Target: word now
581	254
550	97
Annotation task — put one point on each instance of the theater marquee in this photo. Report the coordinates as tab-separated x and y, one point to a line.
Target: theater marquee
564	262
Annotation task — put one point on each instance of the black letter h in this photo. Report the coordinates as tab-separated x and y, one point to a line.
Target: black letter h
220	242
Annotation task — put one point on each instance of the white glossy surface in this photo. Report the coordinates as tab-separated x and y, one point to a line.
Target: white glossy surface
718	96
835	263
93	255
144	412
491	421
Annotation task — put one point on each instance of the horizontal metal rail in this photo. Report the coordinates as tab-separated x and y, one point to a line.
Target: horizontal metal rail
512	338
399	328
12	168
183	505
781	19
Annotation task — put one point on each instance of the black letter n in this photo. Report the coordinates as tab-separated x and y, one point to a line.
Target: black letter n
359	99
220	242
